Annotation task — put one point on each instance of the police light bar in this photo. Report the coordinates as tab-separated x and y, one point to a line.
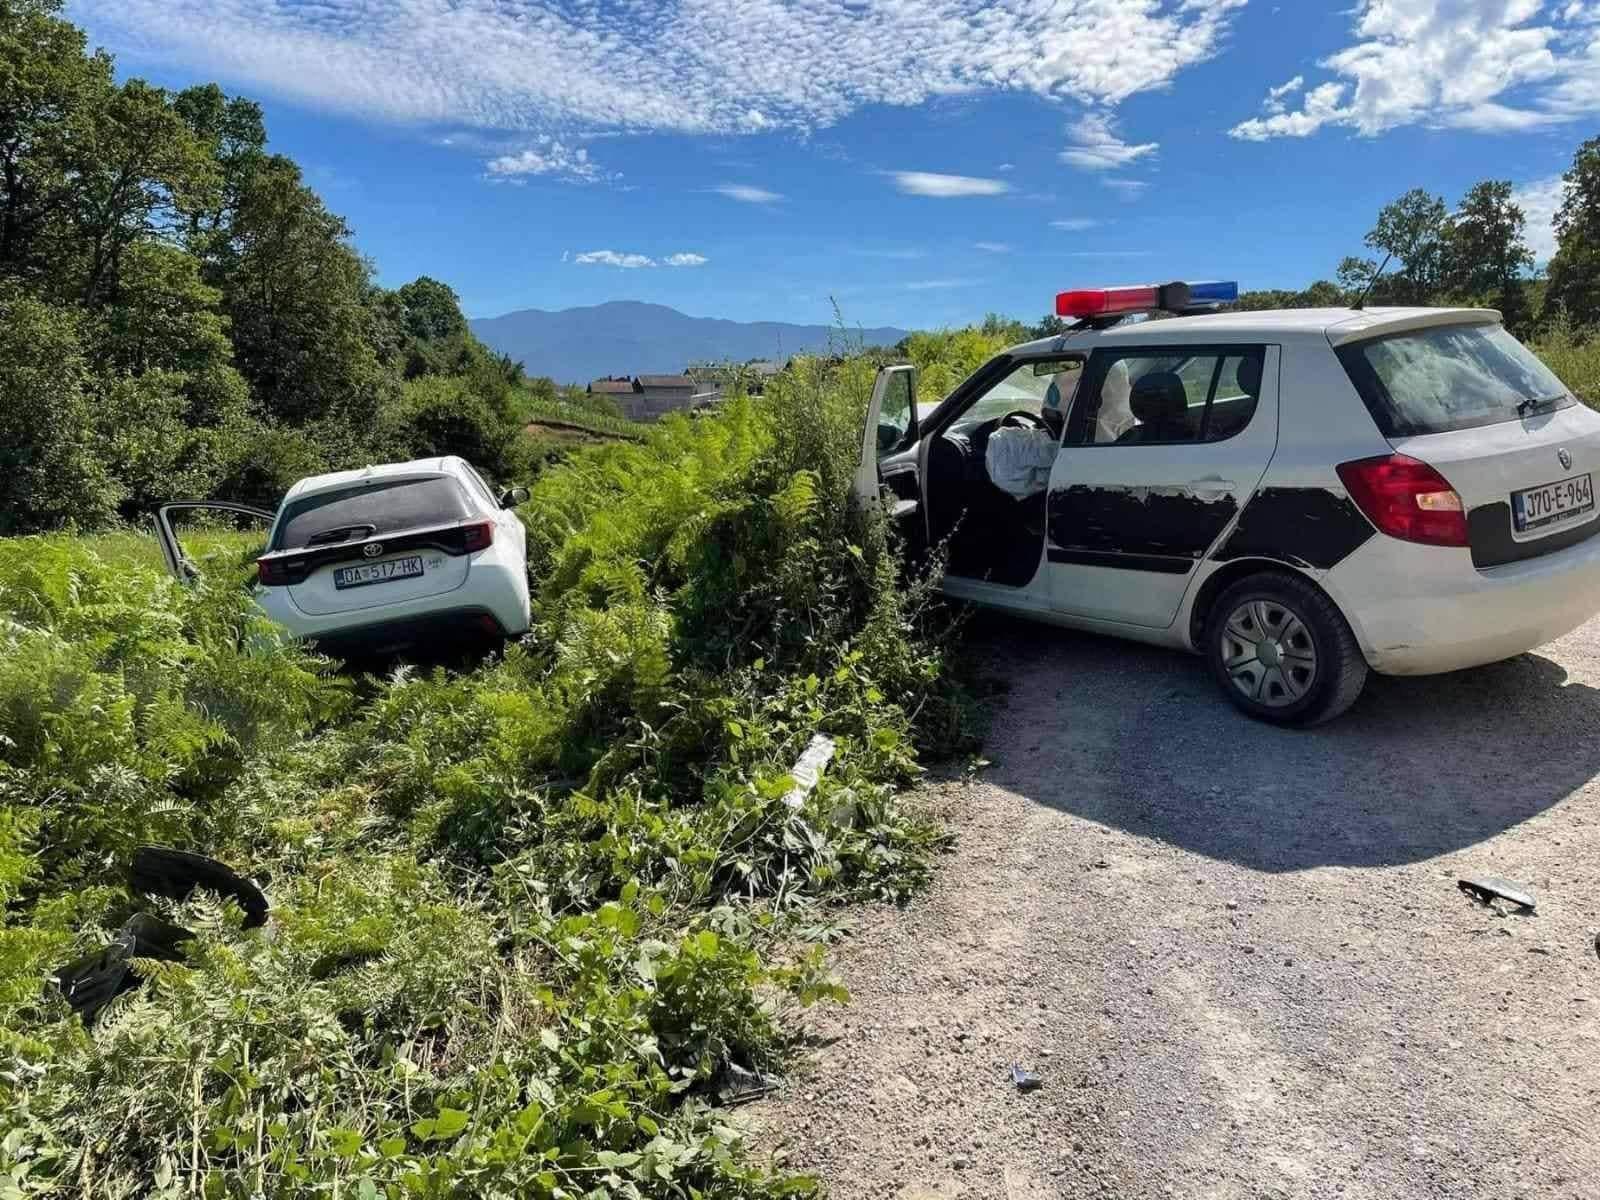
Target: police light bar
1171	297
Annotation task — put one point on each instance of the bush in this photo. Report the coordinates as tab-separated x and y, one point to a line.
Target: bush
1575	357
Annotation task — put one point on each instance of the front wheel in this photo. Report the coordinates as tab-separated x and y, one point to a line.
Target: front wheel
1282	652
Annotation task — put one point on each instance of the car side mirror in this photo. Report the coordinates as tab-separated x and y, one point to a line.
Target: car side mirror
512	497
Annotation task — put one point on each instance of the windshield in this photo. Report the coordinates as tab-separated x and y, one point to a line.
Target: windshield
1025	389
370	509
1450	377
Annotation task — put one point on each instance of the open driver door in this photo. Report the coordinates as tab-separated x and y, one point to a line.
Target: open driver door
889	473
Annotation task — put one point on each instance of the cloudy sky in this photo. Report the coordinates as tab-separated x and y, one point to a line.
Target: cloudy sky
917	161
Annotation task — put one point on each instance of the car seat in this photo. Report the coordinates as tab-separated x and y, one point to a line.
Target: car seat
1161	406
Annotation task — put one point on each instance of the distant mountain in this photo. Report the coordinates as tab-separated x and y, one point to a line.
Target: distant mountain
626	337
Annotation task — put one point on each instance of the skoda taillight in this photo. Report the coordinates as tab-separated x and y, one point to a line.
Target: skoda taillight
1407	499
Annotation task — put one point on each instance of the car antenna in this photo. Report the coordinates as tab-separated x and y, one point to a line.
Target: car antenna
1367	291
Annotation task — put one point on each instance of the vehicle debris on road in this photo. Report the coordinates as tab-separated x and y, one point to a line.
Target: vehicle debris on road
1025	1079
1488	888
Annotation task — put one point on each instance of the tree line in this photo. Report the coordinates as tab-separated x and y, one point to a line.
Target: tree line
180	314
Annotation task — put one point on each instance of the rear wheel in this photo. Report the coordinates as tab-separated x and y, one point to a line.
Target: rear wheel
1282	652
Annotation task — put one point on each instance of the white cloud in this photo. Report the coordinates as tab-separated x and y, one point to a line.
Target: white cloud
696	66
613	258
1321	106
1276	96
746	194
1540	201
925	183
686	260
1493	66
1096	146
1073	224
992	247
546	156
1006	167
1131	188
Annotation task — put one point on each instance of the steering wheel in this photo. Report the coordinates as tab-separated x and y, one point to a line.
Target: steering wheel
1021	418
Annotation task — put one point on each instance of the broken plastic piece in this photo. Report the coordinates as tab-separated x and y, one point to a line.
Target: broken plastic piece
738	1085
1487	887
1025	1080
94	981
162	871
808	769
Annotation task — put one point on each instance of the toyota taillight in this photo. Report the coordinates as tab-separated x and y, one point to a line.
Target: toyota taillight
271	572
1407	499
477	536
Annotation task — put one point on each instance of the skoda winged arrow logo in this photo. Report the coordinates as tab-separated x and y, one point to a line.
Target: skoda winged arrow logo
1566	459
373	549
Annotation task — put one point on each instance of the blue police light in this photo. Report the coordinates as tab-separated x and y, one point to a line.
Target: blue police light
1213	292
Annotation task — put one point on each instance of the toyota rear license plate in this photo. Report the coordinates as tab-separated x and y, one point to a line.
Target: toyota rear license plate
1552	503
378	572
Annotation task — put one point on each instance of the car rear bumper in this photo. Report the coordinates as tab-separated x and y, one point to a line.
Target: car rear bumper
501	608
1422	610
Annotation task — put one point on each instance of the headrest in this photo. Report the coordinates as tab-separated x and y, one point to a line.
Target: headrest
1159	399
1249	376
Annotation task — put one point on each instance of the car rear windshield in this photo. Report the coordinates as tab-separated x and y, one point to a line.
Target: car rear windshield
370	510
1450	377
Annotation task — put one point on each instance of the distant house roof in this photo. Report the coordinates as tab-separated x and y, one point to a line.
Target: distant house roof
611	387
764	367
666	381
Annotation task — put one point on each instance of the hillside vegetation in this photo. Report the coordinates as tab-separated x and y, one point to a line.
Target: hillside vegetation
528	920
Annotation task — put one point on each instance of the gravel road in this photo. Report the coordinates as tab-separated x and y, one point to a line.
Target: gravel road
1237	955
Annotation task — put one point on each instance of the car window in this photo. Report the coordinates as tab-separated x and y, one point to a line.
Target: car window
1451	377
894	415
481	487
1167	397
1030	388
370	509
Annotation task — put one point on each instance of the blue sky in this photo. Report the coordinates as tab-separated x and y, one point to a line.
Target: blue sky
922	162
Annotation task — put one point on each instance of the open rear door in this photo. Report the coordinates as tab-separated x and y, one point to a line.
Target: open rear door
888	472
191	531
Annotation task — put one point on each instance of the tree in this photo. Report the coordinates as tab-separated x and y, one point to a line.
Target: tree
296	292
49	471
1485	256
1412	231
46	79
135	168
1574	272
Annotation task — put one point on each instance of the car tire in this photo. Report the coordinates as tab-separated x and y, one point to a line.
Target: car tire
1282	651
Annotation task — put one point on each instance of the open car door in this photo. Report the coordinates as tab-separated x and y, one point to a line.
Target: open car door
192	530
889	472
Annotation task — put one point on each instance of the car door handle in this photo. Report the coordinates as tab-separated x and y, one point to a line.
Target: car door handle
1212	485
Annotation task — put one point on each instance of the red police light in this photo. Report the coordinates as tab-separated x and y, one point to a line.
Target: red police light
1101	302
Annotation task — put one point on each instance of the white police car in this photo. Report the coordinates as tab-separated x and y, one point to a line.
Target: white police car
1300	496
385	556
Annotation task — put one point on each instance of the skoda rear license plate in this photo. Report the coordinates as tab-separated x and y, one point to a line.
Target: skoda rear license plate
378	572
1552	503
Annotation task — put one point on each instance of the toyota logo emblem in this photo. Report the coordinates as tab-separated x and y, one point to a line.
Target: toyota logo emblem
1566	459
373	549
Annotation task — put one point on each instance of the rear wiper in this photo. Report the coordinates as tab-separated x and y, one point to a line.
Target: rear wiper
341	533
1534	403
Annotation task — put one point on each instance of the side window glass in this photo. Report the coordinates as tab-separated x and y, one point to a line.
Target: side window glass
1168	397
894	417
482	488
1238	390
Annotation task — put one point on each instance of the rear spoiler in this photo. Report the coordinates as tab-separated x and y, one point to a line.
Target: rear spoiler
1364	325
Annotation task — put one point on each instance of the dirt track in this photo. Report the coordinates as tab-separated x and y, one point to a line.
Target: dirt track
1236	954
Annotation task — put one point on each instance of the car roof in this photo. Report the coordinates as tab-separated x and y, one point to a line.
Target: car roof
417	468
1337	325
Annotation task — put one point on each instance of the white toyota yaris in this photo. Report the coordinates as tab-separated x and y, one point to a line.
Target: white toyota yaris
1301	496
387	555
